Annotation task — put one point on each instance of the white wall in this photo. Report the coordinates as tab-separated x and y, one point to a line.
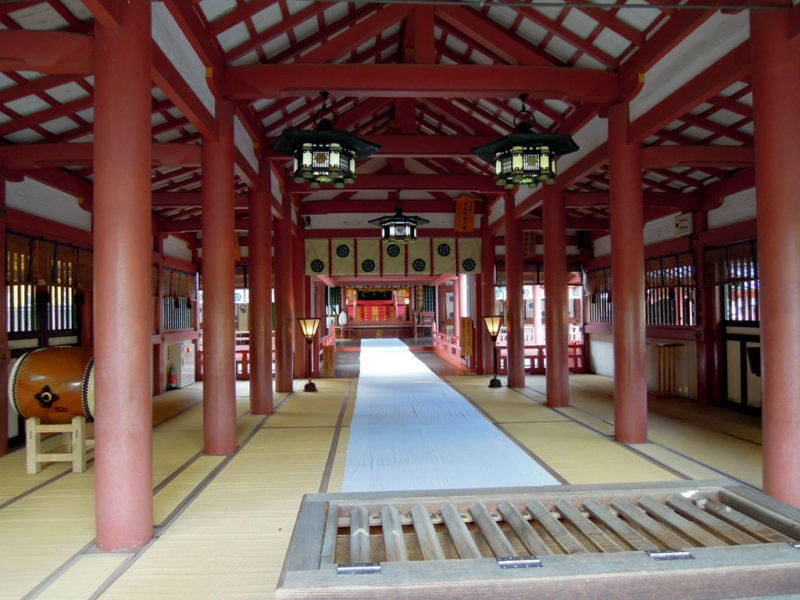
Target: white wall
601	361
601	354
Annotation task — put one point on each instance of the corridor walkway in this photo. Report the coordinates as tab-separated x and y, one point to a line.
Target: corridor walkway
223	523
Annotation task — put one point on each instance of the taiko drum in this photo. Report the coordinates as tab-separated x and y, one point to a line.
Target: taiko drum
54	384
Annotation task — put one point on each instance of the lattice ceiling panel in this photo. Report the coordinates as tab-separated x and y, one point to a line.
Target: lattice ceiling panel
36	109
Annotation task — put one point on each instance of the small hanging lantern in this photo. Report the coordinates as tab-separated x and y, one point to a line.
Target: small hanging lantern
525	157
399	227
325	155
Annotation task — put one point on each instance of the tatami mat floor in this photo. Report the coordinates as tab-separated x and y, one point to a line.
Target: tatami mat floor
223	523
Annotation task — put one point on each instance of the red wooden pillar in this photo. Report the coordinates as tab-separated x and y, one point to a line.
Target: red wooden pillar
709	316
487	293
159	348
4	350
284	304
219	371
259	259
514	302
555	284
301	293
123	308
627	271
776	112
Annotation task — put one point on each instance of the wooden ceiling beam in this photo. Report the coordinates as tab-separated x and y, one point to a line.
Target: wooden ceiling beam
234	17
51	52
573	39
420	81
193	28
409	146
670	34
44	155
287	24
458	116
731	68
326	207
167	77
494	38
428	183
64	181
357	34
667	157
106	12
189	199
32	120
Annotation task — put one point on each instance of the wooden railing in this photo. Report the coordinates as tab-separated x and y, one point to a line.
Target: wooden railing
242	353
448	347
536	359
445	345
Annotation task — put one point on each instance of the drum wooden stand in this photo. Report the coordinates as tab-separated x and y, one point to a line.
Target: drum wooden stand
73	435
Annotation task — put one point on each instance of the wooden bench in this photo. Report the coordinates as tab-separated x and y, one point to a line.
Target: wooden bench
73	435
710	539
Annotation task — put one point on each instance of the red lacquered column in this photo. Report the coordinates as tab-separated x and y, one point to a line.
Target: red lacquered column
284	305
513	321
627	271
487	297
260	270
555	286
300	295
123	307
219	375
776	111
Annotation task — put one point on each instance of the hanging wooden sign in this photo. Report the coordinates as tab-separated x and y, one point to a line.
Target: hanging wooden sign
465	214
528	244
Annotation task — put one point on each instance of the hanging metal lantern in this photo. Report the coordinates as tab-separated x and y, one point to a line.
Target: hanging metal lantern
399	227
525	158
324	155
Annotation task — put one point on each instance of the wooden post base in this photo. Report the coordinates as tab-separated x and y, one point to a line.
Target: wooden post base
74	437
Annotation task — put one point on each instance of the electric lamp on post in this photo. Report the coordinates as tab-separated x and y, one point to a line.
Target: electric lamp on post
493	325
309	326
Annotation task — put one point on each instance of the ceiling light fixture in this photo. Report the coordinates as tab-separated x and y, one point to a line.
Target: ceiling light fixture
525	158
324	155
399	227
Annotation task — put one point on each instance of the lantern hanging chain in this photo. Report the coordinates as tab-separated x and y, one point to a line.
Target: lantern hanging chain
325	109
530	119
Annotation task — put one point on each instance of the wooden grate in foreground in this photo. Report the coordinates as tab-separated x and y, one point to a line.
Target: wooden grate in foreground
439	544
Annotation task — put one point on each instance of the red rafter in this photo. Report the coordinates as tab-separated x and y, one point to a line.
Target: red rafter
266	36
490	36
357	34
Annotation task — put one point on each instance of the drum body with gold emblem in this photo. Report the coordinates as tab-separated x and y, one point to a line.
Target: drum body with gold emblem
54	384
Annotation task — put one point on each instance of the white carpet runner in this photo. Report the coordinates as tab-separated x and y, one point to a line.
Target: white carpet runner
412	431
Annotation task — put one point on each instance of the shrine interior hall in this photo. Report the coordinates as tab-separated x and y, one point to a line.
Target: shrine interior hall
156	224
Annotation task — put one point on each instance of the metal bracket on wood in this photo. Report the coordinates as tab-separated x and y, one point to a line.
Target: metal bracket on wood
370	568
518	562
668	554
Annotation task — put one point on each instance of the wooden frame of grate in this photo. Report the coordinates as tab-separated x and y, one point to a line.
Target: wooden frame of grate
697	539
